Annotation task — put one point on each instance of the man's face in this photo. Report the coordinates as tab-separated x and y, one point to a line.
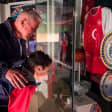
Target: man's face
29	28
41	74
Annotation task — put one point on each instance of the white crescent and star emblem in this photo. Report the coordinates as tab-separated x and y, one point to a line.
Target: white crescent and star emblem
93	36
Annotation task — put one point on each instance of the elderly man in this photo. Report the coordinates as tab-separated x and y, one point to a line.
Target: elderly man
13	34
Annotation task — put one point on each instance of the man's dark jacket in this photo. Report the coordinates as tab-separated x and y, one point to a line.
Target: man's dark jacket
9	54
9	47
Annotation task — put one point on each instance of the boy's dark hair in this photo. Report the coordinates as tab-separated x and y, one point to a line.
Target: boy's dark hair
37	58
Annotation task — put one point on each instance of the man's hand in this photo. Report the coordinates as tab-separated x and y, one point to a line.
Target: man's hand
16	78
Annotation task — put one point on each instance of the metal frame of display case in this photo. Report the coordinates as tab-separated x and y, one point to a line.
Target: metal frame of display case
76	34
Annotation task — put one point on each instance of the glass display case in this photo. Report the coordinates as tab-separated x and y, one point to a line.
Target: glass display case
54	37
60	36
77	36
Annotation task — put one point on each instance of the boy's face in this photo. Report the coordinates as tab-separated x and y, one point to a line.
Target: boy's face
41	74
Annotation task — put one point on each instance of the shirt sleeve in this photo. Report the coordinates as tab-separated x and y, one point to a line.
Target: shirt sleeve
3	69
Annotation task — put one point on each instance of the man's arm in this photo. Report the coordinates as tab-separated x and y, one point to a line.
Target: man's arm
15	77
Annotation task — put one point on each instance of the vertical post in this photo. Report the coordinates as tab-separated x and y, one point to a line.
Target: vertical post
50	31
73	60
79	69
48	23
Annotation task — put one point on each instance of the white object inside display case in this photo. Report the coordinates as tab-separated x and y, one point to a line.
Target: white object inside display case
81	88
47	37
86	104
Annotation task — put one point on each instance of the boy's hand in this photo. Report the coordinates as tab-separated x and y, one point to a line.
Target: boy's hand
16	78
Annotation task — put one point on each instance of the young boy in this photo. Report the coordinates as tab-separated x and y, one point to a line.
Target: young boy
35	68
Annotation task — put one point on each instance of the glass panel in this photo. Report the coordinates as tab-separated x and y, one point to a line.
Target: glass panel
54	37
61	36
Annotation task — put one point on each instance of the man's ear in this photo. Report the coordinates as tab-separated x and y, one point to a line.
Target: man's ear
23	22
